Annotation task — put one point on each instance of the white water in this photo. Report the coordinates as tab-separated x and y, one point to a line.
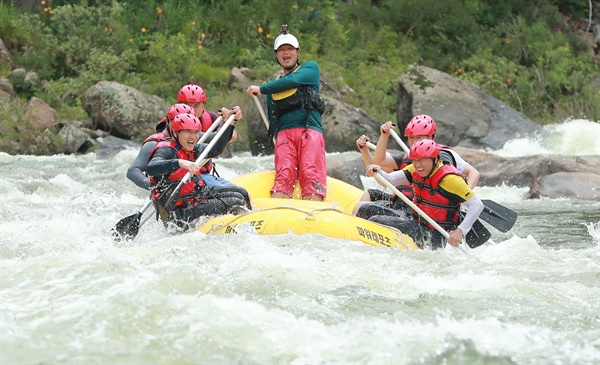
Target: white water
576	137
68	295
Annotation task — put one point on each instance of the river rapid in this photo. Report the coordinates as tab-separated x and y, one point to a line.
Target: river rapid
69	295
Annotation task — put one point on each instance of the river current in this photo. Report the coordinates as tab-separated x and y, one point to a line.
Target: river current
69	295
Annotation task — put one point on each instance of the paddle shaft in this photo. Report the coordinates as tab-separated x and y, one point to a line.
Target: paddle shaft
146	206
201	158
210	129
399	141
261	111
262	114
396	137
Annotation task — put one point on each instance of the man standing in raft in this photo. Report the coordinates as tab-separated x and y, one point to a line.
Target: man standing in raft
294	110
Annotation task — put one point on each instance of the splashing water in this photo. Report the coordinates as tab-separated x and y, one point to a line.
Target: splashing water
575	137
69	295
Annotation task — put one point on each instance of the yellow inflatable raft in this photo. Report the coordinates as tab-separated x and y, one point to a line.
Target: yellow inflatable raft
331	218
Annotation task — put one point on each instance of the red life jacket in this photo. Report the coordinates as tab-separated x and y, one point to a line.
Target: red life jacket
157	137
187	190
440	206
206	121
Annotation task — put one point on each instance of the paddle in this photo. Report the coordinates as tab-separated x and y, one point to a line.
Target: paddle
498	216
493	213
128	227
261	111
371	145
472	243
399	141
262	114
200	159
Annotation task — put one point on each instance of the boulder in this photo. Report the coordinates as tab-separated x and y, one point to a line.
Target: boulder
24	81
5	55
260	143
6	86
72	138
344	123
577	185
348	171
524	171
110	146
4	96
239	78
39	114
123	111
465	115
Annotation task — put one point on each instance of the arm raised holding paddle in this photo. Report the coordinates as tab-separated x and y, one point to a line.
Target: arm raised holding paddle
294	110
178	189
439	191
423	127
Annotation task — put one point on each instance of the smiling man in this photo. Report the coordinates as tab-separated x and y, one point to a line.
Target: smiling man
295	108
438	190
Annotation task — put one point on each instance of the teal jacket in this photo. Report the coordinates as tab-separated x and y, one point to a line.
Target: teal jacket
306	74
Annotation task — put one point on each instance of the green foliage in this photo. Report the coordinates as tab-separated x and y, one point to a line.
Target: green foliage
25	34
11	32
537	73
513	49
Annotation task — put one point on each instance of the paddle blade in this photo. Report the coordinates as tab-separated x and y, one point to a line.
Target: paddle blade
127	228
478	235
498	216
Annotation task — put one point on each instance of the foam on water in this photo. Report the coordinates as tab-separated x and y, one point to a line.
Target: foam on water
70	295
575	137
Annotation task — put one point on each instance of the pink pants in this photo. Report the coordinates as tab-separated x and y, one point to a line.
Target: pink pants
300	154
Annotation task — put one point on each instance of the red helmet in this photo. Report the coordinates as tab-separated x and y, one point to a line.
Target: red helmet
423	149
173	112
191	93
179	108
420	125
186	121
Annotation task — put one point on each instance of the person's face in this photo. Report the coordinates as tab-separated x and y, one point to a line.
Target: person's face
198	108
187	138
413	139
423	166
287	56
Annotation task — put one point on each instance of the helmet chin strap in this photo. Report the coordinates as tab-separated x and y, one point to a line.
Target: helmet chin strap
435	163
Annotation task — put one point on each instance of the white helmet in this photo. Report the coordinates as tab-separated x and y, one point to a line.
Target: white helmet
285	38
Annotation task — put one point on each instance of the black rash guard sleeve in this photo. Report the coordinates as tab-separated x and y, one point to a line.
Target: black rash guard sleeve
136	172
164	161
210	136
408	176
398	160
